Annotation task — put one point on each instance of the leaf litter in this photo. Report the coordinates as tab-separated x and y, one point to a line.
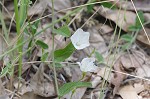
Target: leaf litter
122	73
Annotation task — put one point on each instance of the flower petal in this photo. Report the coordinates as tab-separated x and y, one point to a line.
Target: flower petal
87	65
80	39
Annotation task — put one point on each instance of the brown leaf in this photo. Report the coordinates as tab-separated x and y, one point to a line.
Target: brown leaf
139	87
125	64
2	44
40	85
128	92
60	5
147	16
129	61
96	41
140	5
144	71
38	8
105	73
118	77
122	18
78	94
105	29
142	38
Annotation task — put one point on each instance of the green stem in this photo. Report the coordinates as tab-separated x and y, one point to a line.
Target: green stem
17	16
18	33
19	22
53	59
4	27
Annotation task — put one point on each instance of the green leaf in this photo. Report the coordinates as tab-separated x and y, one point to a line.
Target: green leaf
66	88
29	46
134	28
62	54
141	16
109	5
127	37
90	8
126	46
64	31
137	26
5	70
99	57
31	28
44	57
58	65
41	44
34	27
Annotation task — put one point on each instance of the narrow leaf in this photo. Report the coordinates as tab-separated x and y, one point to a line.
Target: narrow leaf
99	57
58	65
141	16
134	28
126	46
66	88
127	37
62	54
5	70
44	57
42	44
90	8
109	5
64	31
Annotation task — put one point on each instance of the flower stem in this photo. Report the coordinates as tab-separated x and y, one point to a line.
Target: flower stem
53	59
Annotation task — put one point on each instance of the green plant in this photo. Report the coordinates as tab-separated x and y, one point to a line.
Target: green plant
128	38
59	55
72	86
22	12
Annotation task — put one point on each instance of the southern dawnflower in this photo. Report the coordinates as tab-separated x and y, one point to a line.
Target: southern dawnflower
80	39
88	65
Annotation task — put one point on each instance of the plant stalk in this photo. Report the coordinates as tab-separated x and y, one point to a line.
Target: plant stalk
53	59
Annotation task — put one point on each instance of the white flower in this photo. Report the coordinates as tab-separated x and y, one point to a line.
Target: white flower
80	39
87	64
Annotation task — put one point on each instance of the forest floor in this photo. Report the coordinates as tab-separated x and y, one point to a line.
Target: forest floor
44	59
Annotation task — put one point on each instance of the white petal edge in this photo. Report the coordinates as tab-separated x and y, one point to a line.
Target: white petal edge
80	39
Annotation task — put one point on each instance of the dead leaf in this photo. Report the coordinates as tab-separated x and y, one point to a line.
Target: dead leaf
59	4
73	73
23	87
147	17
38	8
2	45
144	71
129	61
4	97
139	87
122	18
3	94
31	95
104	29
96	41
118	77
126	63
78	94
128	92
105	73
95	80
142	38
40	85
140	5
